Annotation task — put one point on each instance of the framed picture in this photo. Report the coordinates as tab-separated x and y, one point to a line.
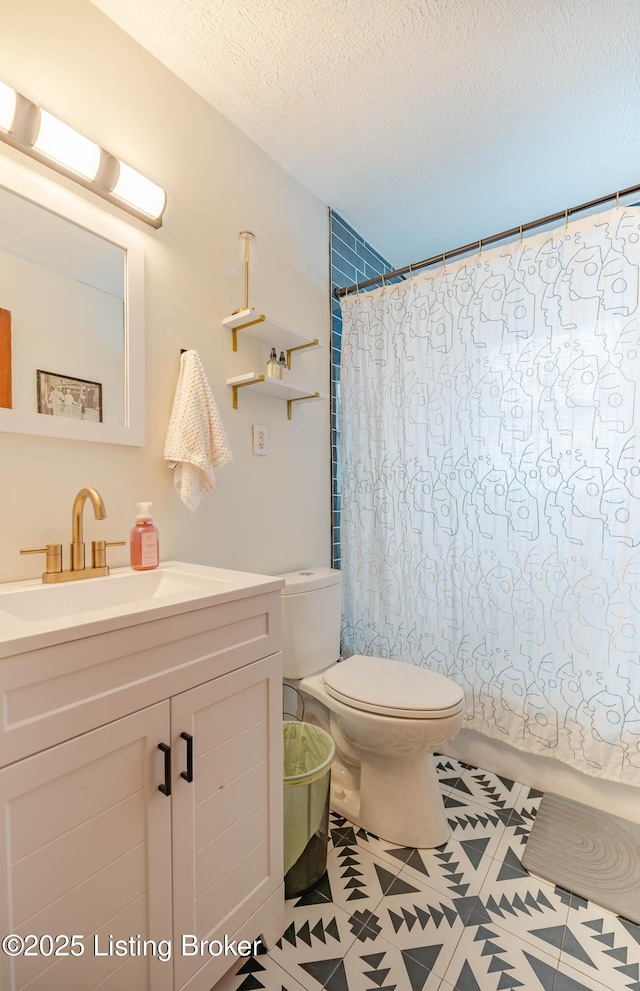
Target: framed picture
61	395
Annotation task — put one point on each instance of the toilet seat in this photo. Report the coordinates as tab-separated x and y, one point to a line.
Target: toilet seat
391	688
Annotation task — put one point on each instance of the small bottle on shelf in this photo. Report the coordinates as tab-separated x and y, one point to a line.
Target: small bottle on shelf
144	551
273	366
284	368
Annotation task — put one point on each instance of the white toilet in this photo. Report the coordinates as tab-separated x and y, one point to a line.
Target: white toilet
386	718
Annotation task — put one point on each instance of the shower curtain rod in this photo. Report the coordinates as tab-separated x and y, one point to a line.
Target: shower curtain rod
484	241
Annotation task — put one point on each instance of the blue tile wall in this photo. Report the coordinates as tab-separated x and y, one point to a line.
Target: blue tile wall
352	260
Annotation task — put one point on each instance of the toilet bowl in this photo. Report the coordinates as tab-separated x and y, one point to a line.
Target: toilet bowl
386	718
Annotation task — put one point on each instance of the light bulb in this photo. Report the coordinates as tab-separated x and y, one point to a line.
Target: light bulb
246	240
60	142
139	192
8	101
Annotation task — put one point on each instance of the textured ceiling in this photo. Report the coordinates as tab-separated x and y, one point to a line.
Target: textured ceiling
424	123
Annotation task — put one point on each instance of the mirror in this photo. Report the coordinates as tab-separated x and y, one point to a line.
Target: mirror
71	315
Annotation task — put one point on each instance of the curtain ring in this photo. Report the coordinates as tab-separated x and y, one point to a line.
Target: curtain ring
520	233
479	249
444	261
566	219
382	277
617	201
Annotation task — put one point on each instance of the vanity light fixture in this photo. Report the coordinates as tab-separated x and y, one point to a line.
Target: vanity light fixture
44	137
67	147
8	101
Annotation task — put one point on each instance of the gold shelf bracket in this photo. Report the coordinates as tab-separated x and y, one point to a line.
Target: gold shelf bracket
300	399
242	385
300	347
243	326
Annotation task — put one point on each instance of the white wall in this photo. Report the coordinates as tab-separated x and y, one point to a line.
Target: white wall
266	514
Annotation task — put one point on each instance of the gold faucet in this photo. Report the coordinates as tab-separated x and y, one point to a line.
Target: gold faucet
77	534
54	572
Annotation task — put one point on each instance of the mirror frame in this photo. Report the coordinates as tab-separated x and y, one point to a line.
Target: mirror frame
67	205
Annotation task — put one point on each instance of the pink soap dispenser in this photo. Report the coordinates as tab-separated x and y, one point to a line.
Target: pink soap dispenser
144	548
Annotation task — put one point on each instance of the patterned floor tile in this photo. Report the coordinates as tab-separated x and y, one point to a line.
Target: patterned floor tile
457	869
415	919
358	878
517	830
569	979
488	958
485	788
465	916
449	771
467	819
601	945
316	936
341	831
257	973
528	908
527	803
475	825
384	966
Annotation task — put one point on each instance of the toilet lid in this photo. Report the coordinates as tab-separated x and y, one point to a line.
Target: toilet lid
392	688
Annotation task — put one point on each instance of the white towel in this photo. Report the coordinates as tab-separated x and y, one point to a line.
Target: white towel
196	440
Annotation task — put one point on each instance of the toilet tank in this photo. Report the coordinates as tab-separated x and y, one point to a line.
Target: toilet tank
311	609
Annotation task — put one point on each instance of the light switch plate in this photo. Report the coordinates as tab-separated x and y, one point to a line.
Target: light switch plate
260	440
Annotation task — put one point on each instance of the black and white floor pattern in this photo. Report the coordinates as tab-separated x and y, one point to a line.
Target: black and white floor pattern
466	916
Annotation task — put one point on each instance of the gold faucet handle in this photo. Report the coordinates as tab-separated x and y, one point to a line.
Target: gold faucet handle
54	557
99	551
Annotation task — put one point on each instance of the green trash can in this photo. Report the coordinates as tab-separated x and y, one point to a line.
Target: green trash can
308	752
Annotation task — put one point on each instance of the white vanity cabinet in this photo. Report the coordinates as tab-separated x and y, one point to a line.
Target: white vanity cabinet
227	823
86	841
148	805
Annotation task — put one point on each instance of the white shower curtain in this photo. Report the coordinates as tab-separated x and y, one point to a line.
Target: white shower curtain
491	486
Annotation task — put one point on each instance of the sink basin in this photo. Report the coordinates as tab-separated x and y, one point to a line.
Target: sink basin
45	602
31	609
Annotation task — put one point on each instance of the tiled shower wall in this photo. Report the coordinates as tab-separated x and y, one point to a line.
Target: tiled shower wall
352	260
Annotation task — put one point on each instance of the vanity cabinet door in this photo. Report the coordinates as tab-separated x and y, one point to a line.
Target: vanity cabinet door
227	821
85	837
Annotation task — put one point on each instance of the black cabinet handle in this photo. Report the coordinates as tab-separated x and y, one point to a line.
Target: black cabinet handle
188	774
166	787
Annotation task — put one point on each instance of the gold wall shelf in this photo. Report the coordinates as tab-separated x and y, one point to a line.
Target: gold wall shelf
275	388
272	332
